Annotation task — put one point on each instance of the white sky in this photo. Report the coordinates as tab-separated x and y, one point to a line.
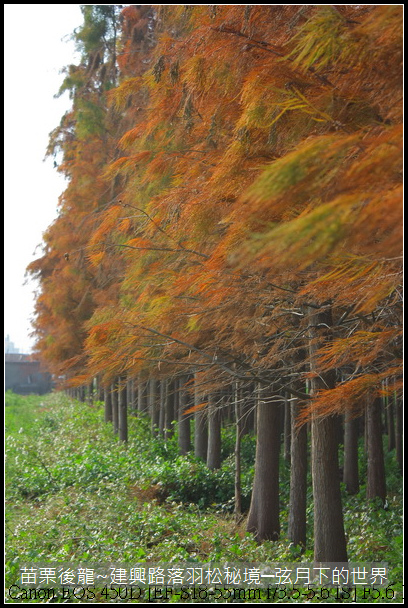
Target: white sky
34	55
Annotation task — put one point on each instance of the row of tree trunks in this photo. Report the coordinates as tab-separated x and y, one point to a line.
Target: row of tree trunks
208	421
263	519
167	401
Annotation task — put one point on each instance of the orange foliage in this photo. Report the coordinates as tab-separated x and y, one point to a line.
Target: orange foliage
262	175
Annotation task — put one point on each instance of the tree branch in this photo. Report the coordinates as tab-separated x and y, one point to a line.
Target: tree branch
163	231
267	46
216	362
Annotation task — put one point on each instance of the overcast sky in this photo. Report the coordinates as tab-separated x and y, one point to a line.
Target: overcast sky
36	47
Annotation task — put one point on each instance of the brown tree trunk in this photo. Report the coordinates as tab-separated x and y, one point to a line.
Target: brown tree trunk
131	395
376	485
184	435
238	433
247	410
108	404
154	406
90	395
115	412
287	431
169	410
330	541
329	537
122	408
142	401
398	433
350	470
99	389
298	480
200	427
365	432
389	409
162	413
263	518
214	436
390	425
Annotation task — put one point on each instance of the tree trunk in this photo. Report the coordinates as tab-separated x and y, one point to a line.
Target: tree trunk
329	537
115	412
390	425
214	436
184	439
247	410
389	409
298	480
200	428
90	395
365	431
263	519
376	485
99	390
169	409
350	471
238	433
142	401
153	406
330	541
287	431
122	407
131	395
162	406
108	404
398	433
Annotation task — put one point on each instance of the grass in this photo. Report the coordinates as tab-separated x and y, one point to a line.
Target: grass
75	495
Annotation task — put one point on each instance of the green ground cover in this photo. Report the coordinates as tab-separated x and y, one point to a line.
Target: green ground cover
74	494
